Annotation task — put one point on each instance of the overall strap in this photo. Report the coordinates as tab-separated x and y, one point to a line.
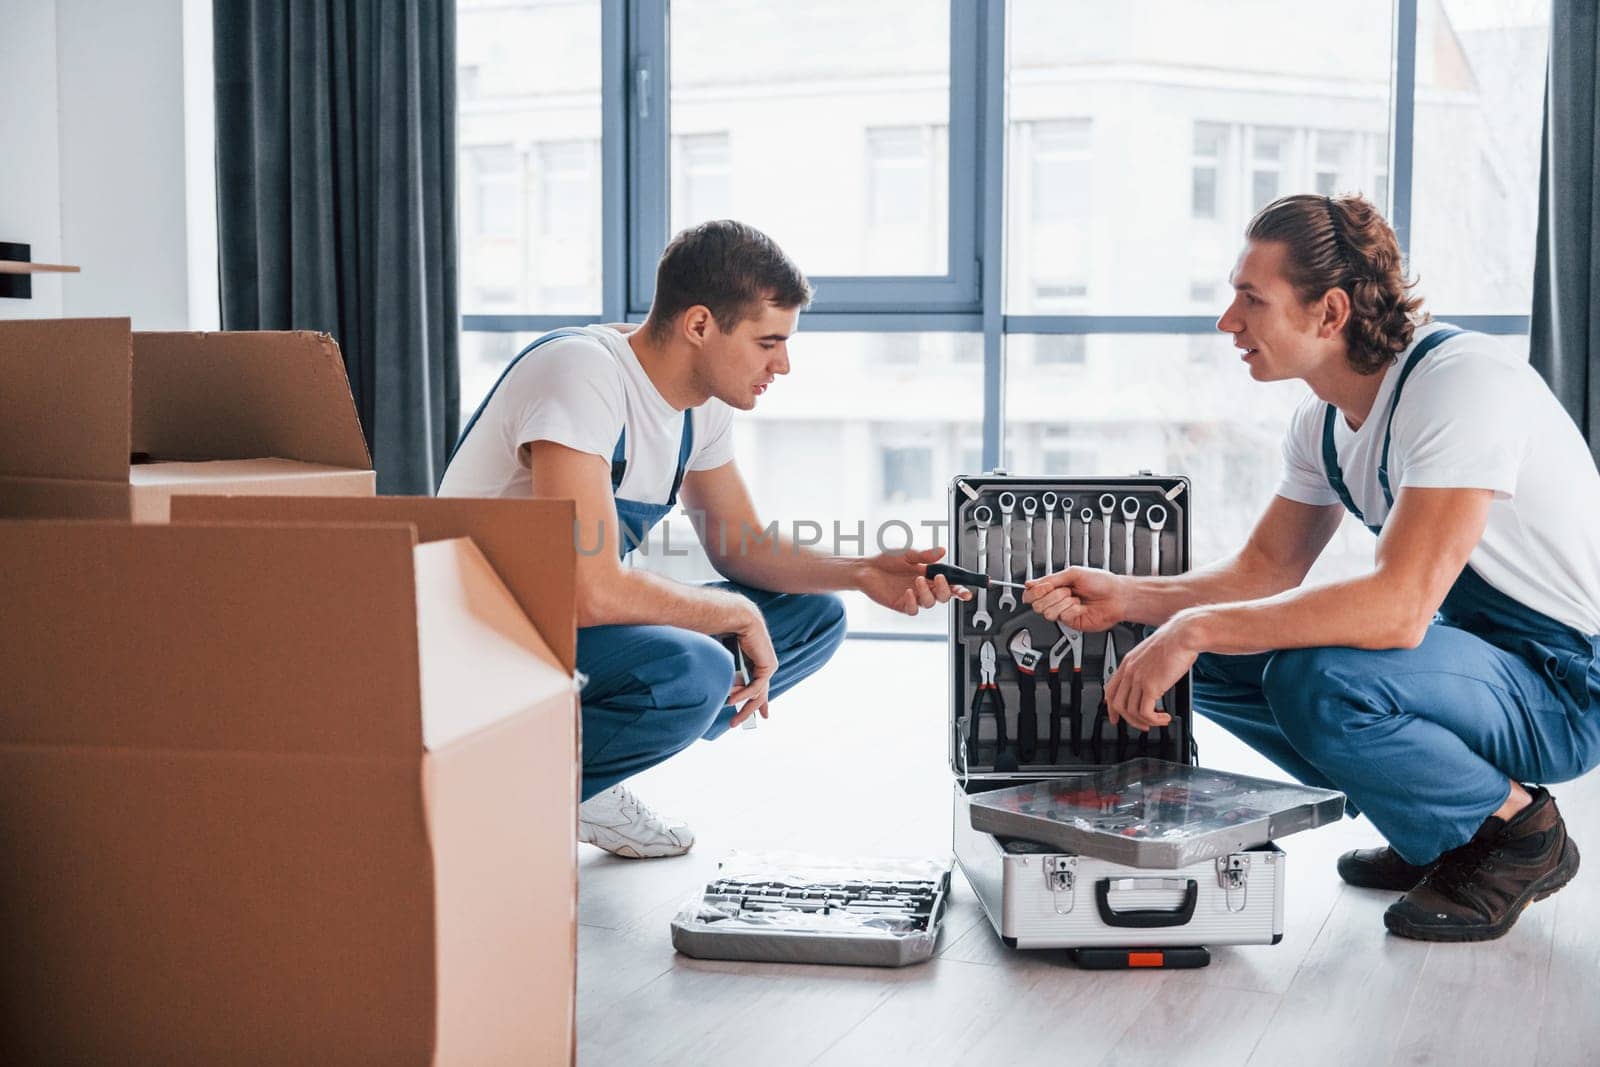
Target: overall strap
619	458
1330	455
476	415
1426	345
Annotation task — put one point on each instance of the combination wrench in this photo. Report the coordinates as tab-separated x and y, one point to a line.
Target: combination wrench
1008	503
983	517
1130	519
1086	516
1157	518
1108	506
1048	502
1030	508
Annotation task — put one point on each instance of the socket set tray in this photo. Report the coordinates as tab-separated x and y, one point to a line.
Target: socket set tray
791	908
1027	694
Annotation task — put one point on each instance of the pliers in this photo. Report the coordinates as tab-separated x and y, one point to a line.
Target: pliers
1071	642
986	696
1102	715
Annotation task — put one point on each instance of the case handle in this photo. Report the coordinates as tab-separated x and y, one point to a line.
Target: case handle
1148	918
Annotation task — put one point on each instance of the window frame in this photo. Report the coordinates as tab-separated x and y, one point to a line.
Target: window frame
636	169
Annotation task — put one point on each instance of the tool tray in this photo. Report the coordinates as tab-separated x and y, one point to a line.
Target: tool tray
786	908
1152	814
990	749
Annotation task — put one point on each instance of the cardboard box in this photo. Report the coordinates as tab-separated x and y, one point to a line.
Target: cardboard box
100	423
288	793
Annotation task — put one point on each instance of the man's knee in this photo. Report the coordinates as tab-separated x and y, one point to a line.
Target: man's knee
693	683
827	615
1314	693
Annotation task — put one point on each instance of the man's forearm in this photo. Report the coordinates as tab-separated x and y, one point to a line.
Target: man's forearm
633	596
1155	600
1366	613
778	564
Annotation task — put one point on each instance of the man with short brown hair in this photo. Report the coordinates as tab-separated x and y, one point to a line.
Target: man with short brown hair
621	420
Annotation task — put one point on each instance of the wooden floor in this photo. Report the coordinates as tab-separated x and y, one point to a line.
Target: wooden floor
853	762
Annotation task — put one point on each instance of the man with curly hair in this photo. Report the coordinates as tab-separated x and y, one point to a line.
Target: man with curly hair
1431	689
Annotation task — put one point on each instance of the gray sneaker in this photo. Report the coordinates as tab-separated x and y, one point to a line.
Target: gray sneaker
620	823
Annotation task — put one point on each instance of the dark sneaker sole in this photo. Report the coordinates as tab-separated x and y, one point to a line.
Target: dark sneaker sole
1565	870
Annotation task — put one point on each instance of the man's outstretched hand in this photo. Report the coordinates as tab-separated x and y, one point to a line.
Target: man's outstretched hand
899	581
1084	598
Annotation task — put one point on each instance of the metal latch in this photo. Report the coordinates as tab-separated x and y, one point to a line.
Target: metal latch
1233	876
1061	875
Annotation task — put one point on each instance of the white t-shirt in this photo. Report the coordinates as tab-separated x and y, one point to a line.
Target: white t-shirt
1472	417
579	392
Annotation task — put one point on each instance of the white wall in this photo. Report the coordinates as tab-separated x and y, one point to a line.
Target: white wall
30	178
120	182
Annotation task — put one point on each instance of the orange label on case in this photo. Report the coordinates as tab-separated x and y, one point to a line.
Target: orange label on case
1147	959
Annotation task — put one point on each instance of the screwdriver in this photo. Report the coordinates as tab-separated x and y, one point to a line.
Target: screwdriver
971	579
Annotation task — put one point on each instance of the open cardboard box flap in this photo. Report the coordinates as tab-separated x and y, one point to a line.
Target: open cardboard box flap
529	543
207	396
203	412
223	836
64	391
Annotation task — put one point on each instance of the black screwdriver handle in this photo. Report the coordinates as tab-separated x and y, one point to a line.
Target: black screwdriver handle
970	579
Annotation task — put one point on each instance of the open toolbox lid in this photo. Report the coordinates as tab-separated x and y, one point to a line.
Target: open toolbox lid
1154	814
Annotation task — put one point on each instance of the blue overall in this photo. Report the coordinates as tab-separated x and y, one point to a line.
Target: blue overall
651	691
1424	739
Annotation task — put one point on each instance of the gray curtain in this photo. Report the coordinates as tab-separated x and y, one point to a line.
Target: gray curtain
336	193
1565	341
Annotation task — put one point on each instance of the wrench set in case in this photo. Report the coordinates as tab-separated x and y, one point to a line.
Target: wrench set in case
1120	886
1016	529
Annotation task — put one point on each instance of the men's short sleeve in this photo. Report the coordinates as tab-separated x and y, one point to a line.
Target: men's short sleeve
569	391
1305	480
713	444
1456	427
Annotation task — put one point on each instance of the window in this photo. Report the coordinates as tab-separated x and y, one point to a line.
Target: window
1061	349
907	474
1479	115
1134	152
1052	174
1195	118
1059	156
906	209
528	137
1334	169
900	176
567	171
811	106
497	191
1143	402
701	179
1269	151
1210	140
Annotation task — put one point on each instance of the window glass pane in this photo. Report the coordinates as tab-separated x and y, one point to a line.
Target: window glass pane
838	155
1194	115
857	466
483	357
1480	112
528	132
1170	404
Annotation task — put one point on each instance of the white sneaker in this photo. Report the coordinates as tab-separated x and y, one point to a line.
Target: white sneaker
618	822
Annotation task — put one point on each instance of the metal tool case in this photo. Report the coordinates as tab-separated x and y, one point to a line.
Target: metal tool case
1003	731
